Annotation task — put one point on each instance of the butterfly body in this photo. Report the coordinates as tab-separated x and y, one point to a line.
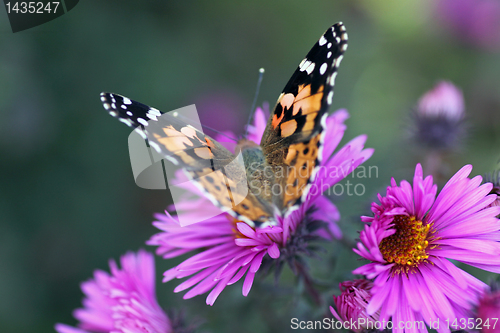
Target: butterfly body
257	182
259	174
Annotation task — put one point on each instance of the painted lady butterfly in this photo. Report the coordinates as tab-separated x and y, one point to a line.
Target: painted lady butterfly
290	149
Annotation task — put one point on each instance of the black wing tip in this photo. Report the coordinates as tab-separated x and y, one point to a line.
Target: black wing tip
337	36
110	96
339	25
114	104
339	32
107	95
107	103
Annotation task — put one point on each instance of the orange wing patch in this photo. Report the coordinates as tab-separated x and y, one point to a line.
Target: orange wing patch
174	143
204	152
285	102
301	159
231	193
175	140
304	103
186	146
288	128
307	102
214	183
310	122
251	208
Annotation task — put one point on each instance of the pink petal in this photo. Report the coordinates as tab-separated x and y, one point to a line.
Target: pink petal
62	328
274	251
247	285
217	290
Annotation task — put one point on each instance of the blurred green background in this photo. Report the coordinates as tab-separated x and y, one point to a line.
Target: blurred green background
68	201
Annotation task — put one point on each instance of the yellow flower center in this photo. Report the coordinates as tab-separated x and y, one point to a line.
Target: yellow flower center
406	247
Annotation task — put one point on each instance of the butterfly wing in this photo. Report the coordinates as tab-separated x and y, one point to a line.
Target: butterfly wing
218	173
292	141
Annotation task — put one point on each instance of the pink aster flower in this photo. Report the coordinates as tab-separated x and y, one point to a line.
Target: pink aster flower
438	118
444	100
123	301
232	249
411	237
488	310
352	302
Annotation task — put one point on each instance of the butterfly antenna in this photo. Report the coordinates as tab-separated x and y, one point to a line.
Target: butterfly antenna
261	75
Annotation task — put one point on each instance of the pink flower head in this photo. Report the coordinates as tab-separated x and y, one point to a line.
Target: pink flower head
443	100
352	302
123	302
488	310
411	237
438	120
232	249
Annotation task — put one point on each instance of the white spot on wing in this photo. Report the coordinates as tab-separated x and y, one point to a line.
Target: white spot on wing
170	158
152	116
126	121
127	101
141	133
123	106
246	220
329	54
154	111
323	68
329	45
130	114
305	65
295	207
322	41
310	68
331	79
330	97
142	121
339	59
158	149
